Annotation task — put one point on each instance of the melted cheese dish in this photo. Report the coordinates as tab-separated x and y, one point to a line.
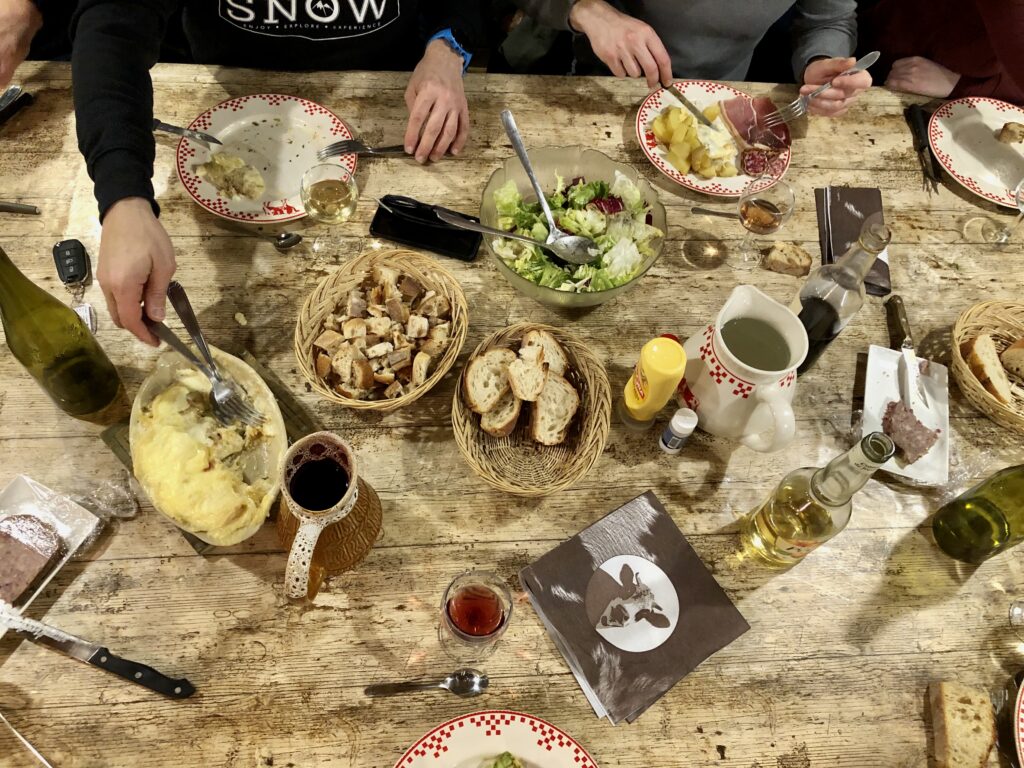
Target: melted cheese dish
194	469
232	177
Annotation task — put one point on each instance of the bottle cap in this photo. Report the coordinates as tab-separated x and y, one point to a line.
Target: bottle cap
671	336
684	421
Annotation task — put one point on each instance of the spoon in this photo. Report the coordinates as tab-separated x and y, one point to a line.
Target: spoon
462	682
559	249
285	240
574	248
710	212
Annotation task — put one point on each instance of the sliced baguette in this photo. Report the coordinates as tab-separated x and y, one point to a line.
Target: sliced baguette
983	359
1013	358
486	379
553	411
502	418
526	379
554	355
963	725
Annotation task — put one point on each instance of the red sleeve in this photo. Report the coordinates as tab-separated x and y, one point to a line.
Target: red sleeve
1004	22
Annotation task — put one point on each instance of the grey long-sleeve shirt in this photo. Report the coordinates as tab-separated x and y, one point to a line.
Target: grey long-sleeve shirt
715	39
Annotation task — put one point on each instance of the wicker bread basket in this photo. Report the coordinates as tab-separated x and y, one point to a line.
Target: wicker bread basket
332	291
1004	322
516	464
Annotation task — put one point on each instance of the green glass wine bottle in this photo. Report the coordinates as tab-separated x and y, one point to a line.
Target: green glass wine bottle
985	520
55	346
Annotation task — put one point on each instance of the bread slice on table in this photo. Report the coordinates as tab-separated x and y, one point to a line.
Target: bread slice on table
526	379
1013	358
788	259
963	724
553	411
486	379
983	360
554	355
502	418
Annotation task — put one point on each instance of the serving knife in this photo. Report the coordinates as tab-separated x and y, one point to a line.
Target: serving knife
911	388
917	118
6	207
676	91
202	138
9	96
91	653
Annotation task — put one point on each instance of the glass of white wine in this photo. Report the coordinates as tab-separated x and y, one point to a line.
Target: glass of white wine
329	193
762	211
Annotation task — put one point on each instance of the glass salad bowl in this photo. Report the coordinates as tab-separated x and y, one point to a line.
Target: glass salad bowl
569	163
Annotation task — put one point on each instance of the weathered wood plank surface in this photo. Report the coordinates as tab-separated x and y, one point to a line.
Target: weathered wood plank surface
841	648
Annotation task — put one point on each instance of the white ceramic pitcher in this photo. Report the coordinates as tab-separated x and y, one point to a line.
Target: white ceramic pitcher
733	400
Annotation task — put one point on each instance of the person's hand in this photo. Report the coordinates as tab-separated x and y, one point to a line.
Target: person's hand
838	99
627	46
19	22
438	112
924	76
136	265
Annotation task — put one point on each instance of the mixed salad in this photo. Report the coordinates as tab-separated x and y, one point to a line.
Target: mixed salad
506	760
615	216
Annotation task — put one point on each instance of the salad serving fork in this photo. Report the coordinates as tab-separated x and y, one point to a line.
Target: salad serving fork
799	106
358	147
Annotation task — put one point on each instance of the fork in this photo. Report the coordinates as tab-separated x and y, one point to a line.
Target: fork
799	106
226	414
223	393
358	147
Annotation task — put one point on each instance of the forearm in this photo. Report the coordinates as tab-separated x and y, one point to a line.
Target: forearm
115	44
823	28
552	13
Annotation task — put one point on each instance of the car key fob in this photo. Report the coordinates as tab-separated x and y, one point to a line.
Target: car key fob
72	262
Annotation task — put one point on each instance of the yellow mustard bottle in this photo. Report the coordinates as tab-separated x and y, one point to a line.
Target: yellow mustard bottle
658	372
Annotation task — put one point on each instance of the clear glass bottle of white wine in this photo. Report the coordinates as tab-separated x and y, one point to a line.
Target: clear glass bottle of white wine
812	505
56	347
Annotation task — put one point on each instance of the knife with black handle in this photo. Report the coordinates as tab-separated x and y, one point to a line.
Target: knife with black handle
96	655
917	118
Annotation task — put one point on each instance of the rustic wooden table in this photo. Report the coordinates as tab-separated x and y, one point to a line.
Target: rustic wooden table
841	648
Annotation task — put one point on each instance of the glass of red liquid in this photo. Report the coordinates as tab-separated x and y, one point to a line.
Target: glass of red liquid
475	613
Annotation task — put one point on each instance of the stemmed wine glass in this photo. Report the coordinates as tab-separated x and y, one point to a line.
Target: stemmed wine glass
762	211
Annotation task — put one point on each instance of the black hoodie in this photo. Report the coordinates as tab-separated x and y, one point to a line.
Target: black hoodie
117	41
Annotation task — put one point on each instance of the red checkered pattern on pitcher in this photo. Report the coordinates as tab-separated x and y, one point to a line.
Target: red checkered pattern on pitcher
743	389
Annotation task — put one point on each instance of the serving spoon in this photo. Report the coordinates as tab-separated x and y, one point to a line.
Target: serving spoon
466	683
572	248
559	249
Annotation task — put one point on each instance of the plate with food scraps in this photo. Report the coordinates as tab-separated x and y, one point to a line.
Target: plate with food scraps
496	739
40	530
975	142
721	162
882	387
268	140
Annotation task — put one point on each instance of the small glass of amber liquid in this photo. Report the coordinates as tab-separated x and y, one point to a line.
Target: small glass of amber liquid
329	193
475	612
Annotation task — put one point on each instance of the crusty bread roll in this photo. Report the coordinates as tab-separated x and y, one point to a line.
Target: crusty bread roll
983	359
486	379
963	725
502	418
553	411
788	259
1012	133
1013	358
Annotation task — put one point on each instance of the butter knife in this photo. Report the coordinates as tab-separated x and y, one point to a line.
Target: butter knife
9	95
676	91
917	119
202	138
911	388
91	653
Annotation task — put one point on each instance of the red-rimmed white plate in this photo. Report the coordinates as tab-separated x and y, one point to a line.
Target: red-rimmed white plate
1018	725
469	741
962	135
277	134
703	93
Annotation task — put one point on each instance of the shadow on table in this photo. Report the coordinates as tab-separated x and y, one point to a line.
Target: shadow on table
905	583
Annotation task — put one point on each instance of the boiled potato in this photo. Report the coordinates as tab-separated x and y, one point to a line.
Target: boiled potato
699	156
712	112
661	130
675	117
680	164
680	149
728	169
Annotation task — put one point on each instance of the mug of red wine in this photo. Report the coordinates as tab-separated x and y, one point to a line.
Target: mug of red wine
329	517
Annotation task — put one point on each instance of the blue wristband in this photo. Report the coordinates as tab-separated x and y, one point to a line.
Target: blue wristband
449	38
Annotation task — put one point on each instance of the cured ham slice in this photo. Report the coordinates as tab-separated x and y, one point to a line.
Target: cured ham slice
759	146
